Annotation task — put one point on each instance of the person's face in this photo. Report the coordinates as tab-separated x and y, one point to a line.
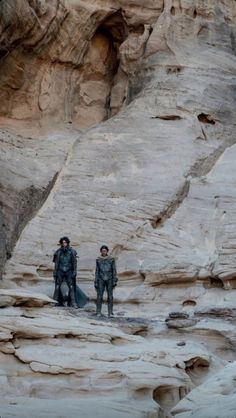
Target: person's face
64	244
104	252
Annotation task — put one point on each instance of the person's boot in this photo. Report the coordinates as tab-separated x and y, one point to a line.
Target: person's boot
56	295
110	310
99	310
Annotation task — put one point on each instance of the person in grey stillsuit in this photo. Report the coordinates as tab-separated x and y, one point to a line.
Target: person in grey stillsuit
65	270
105	278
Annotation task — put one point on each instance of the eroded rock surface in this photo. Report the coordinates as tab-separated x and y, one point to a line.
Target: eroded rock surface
30	166
119	121
17	297
62	353
216	397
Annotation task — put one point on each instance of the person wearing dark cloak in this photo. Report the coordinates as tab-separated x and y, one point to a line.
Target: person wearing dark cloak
65	271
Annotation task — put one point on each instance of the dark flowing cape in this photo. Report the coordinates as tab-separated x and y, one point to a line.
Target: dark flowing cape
80	297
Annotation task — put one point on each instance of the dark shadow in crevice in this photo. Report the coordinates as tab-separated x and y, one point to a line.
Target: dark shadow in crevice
189	302
167	117
158	220
214	282
116	26
205	118
174	69
197	369
98	74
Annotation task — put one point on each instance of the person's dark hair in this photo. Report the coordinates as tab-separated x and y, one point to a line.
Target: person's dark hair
64	239
104	247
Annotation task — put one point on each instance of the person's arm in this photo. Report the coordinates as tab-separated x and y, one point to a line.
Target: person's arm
54	260
96	275
114	273
74	264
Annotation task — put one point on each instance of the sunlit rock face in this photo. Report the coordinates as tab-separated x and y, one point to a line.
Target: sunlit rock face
118	128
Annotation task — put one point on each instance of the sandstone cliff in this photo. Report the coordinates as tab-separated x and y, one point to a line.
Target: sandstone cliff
118	127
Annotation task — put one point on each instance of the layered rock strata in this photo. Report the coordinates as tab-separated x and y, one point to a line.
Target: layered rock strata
119	119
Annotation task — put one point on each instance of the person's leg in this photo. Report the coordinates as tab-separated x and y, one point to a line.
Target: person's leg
70	284
100	292
109	286
57	290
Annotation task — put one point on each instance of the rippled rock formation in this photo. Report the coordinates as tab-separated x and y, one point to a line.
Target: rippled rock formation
118	127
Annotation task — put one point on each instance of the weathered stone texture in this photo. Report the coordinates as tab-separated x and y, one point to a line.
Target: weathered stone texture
118	128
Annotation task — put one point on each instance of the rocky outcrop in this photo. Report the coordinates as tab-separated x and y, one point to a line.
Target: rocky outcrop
216	396
27	178
122	177
60	353
68	61
17	297
119	118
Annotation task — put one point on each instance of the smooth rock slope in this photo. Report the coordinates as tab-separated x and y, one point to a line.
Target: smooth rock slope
118	128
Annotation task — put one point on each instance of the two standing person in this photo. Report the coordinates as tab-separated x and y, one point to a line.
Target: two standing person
65	271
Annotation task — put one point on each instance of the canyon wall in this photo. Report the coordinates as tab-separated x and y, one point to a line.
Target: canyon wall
118	128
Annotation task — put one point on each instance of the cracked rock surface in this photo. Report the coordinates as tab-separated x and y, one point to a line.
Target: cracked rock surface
118	128
55	353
